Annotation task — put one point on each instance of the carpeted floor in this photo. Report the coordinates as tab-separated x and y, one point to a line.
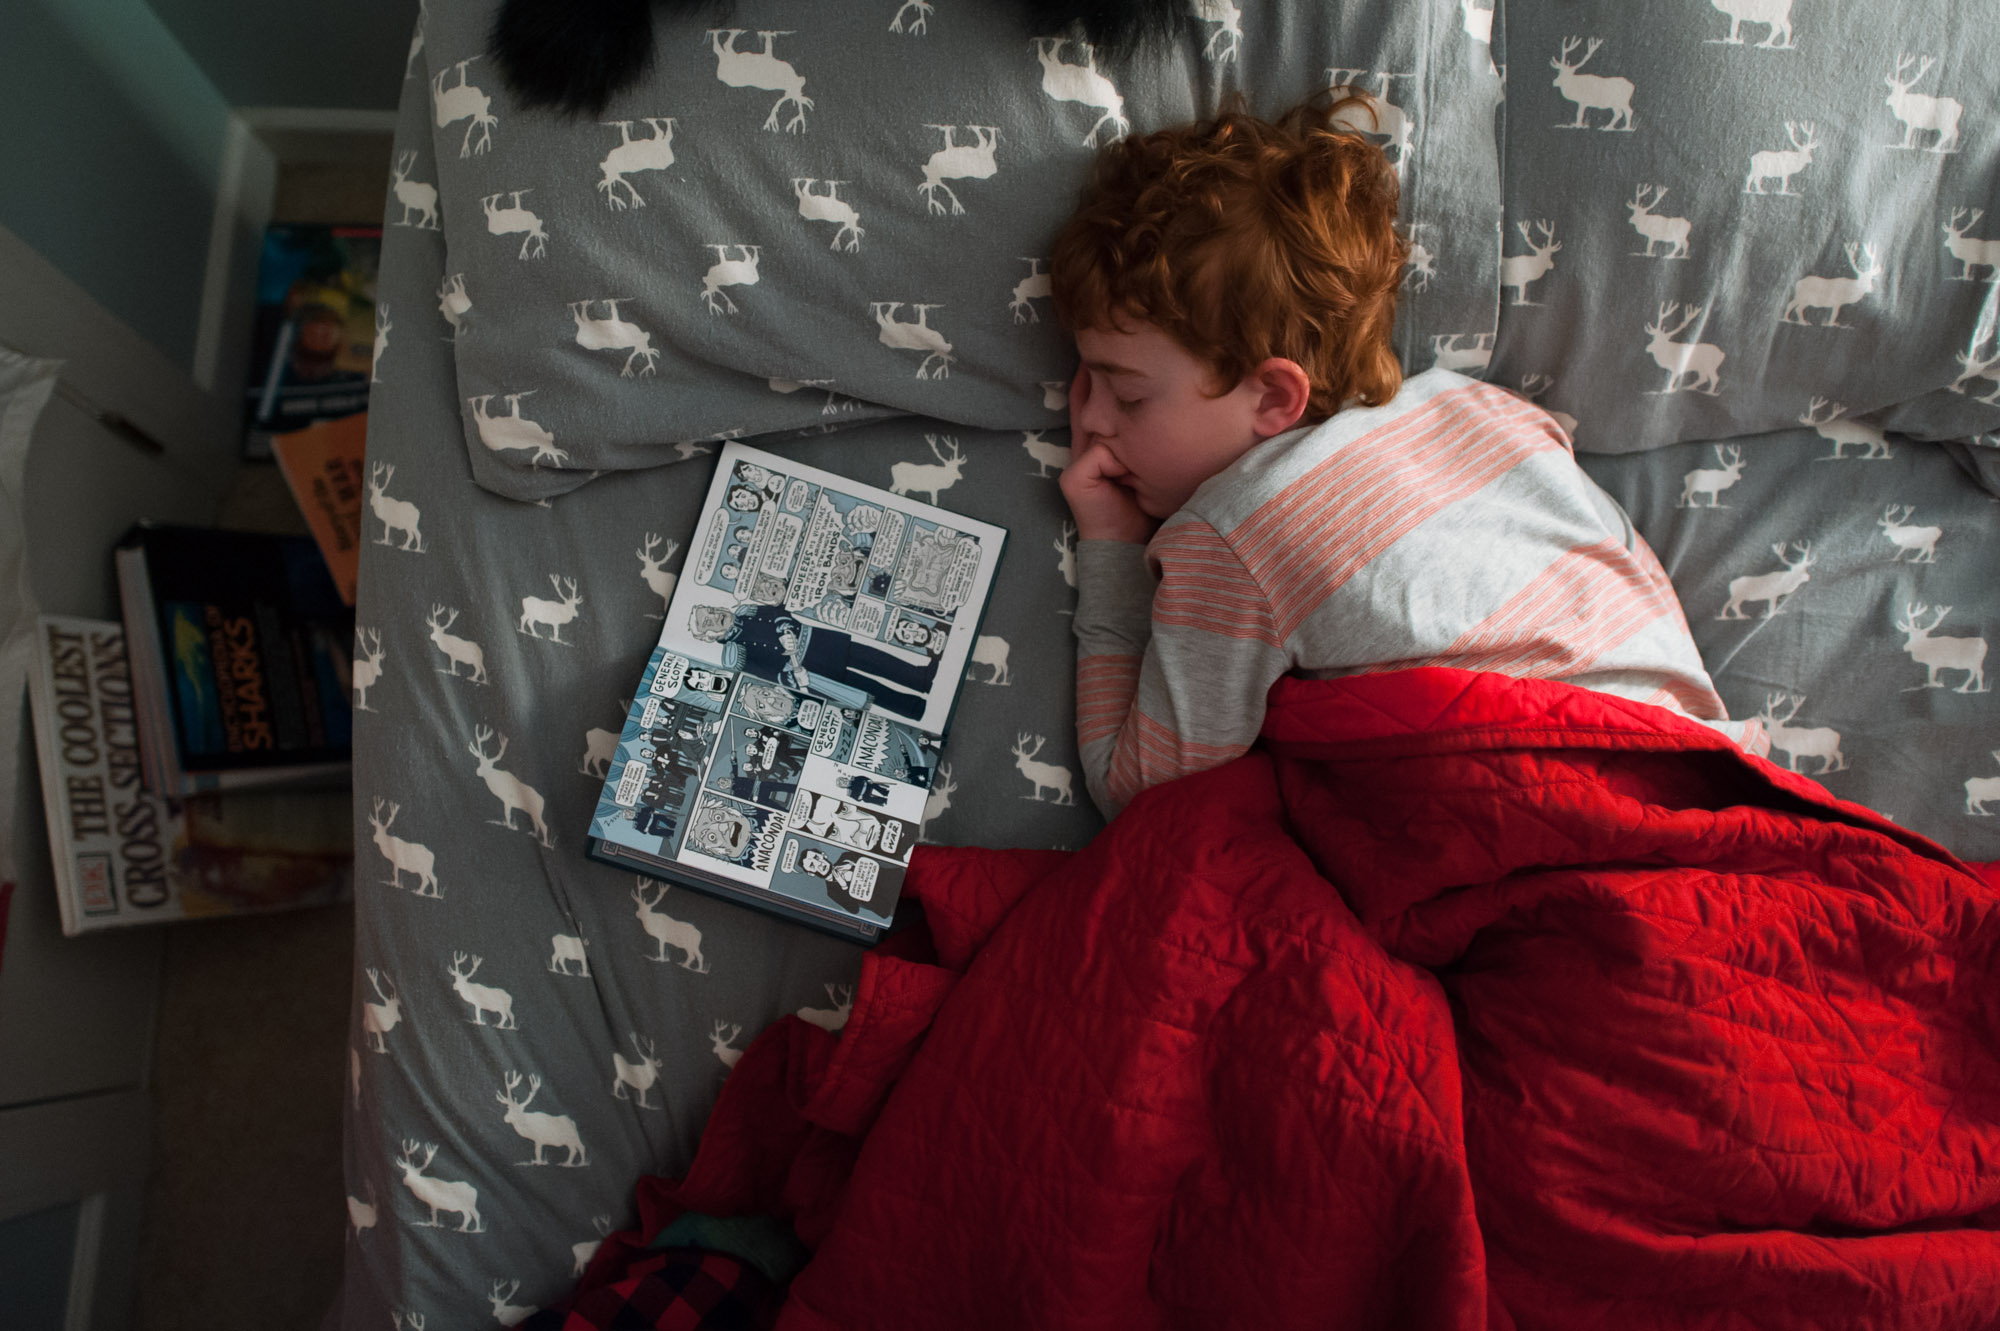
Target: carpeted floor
245	1212
245	1215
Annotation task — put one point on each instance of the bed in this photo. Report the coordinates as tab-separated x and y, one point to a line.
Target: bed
1746	253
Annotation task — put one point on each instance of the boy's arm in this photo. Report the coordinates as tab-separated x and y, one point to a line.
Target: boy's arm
1114	621
1182	689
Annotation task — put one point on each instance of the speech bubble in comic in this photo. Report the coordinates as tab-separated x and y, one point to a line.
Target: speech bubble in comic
818	553
711	550
834	737
889	748
865	619
888	539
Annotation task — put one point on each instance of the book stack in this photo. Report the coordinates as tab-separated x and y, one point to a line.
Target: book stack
241	649
124	854
194	758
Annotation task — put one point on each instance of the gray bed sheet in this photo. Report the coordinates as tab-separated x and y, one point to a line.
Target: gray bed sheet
1846	593
532	1030
535	1030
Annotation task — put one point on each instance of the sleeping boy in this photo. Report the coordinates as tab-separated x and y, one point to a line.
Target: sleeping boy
1257	490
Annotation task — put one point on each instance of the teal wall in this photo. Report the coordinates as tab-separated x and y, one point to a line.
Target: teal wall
35	1253
110	157
339	53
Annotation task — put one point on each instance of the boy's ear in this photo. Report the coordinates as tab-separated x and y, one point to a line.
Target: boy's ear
1283	389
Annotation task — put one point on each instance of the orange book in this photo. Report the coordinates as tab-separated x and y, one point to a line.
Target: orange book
322	464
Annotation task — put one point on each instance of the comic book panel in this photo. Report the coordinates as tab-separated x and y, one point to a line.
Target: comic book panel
937	571
677	738
758	763
746	542
832	556
889	748
865	789
732	833
820	874
917	632
655	768
645	810
645	806
678	679
726	553
847	823
775	705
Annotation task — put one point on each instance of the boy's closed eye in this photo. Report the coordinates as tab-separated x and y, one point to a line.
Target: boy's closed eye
1110	380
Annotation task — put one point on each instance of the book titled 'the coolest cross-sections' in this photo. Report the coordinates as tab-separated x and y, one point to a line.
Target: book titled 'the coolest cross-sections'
782	741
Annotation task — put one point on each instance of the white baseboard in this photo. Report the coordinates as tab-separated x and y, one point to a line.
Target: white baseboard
249	179
86	1265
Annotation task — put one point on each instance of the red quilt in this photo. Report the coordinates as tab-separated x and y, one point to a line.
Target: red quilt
1464	1001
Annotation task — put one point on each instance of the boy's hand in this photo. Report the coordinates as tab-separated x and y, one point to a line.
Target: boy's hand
1104	509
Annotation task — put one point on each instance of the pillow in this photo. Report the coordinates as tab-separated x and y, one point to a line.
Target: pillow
1735	217
826	213
25	385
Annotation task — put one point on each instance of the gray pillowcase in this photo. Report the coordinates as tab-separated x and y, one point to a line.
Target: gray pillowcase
1751	213
843	211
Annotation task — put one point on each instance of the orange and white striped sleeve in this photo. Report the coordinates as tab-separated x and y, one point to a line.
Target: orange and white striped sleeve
1171	672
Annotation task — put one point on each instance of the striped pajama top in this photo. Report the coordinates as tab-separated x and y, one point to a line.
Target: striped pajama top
1448	527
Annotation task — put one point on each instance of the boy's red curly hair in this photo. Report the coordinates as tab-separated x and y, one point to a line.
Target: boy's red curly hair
1244	239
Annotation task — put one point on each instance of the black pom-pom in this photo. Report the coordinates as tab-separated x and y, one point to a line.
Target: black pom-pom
575	55
572	55
1117	28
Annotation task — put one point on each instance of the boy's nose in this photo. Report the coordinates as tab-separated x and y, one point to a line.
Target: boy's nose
1097	417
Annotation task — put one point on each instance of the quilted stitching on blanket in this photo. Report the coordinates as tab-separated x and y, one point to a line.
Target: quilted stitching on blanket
1467	1001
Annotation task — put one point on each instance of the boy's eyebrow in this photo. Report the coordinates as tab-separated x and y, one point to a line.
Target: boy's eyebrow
1112	367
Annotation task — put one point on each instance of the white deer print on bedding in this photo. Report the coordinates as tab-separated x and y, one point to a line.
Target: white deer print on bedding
938	323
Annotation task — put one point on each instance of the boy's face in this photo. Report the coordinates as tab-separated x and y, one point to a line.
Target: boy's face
1148	403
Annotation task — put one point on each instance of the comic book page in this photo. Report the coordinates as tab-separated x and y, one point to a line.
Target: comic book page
737	781
865	598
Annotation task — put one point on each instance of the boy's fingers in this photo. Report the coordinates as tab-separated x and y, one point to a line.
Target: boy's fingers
1103	508
1086	471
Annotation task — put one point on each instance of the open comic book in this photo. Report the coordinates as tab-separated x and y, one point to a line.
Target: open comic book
783	736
